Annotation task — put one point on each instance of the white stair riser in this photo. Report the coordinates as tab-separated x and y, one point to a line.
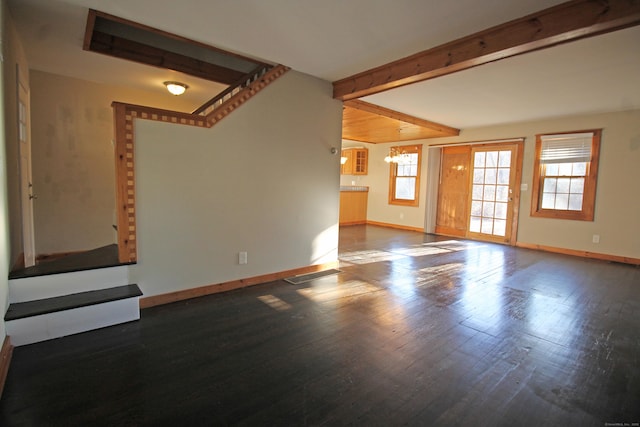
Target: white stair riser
68	322
54	285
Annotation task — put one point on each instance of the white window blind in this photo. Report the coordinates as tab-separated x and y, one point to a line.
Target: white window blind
566	148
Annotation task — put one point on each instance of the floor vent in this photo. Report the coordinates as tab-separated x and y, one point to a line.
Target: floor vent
304	278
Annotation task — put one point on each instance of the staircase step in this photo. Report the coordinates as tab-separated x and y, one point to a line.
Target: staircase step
54	285
44	319
21	310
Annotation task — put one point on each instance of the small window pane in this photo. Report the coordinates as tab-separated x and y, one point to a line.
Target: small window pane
487	226
502	193
550	185
476	208
490	176
478	160
489	193
552	169
478	176
548	200
405	188
474	224
503	176
575	202
413	170
580	169
565	169
501	210
562	201
500	227
505	159
492	159
563	185
577	185
477	192
487	209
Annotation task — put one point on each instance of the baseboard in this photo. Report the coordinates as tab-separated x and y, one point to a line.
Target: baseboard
170	297
5	360
397	226
348	223
584	254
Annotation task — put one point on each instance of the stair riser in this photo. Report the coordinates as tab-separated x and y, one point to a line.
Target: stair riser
68	322
53	285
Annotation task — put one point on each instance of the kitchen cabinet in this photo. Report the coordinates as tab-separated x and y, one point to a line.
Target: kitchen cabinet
357	161
353	205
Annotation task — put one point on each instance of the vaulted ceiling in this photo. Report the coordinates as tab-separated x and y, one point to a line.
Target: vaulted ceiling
335	40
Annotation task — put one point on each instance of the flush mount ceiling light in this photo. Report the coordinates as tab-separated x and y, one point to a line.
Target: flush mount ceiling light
176	88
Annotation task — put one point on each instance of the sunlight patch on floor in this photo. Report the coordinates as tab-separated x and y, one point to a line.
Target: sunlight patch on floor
368	257
344	290
433	275
422	251
275	302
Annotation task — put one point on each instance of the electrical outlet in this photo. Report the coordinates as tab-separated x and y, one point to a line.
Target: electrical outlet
242	257
596	238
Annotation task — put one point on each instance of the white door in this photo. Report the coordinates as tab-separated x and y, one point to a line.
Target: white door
26	184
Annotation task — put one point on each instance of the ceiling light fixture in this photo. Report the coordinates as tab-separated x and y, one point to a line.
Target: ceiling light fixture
176	88
395	156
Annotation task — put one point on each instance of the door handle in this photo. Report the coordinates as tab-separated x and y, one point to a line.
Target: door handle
33	196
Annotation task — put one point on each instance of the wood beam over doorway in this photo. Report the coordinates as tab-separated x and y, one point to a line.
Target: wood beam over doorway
563	23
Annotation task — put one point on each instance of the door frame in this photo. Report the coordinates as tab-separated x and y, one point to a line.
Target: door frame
434	153
27	195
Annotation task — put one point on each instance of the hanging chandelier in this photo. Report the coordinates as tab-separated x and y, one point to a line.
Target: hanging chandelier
398	157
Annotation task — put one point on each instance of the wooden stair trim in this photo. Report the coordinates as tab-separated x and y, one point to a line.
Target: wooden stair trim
22	310
5	360
245	94
124	116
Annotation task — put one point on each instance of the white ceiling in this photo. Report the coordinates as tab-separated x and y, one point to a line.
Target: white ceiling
333	39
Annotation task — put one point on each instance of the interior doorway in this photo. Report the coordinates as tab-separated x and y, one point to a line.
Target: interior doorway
479	191
27	194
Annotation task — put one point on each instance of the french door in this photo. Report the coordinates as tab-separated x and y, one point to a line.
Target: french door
479	191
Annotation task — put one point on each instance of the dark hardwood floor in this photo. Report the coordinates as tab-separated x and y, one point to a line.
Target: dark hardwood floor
416	330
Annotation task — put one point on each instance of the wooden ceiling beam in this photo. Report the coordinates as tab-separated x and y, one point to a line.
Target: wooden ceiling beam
563	23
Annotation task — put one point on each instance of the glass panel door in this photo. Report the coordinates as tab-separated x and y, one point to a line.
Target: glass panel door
492	180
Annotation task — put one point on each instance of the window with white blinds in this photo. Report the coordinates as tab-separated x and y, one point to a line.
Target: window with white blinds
565	172
565	148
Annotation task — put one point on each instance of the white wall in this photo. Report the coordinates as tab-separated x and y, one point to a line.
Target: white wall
263	180
72	156
617	212
5	252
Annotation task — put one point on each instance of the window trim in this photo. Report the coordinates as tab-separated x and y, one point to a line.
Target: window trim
393	169
589	194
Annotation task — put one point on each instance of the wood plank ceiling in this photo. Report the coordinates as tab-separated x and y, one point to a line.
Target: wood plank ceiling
365	122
